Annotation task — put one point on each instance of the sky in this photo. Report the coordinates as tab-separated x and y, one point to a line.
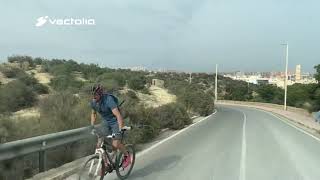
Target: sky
185	35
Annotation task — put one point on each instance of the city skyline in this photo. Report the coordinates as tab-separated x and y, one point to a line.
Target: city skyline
291	67
142	68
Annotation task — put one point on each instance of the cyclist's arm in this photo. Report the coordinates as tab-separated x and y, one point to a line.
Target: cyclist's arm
93	117
117	113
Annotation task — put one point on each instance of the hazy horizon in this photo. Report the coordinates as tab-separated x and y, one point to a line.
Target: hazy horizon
182	35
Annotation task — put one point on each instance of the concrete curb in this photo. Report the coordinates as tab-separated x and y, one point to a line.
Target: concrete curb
61	172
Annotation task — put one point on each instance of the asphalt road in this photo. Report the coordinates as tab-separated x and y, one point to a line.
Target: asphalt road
234	144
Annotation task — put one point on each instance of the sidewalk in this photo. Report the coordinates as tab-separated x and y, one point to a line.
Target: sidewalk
297	115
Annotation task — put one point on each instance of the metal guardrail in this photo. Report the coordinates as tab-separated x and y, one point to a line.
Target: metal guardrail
40	144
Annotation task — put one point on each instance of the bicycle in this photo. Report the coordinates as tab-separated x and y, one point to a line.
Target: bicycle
102	162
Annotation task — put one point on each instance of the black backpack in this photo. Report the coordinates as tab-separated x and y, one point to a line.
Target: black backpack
116	100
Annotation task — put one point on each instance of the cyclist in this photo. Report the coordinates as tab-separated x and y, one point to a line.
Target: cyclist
106	105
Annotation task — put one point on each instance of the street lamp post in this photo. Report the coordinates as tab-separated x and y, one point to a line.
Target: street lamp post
286	77
216	86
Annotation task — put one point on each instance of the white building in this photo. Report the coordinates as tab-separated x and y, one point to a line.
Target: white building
298	73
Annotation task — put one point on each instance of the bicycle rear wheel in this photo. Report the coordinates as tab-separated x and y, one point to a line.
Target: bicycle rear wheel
92	170
124	172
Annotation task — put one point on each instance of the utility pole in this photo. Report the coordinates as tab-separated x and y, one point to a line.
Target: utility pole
190	78
216	86
286	77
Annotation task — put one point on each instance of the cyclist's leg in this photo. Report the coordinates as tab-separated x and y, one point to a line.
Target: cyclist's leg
116	142
106	131
126	161
105	128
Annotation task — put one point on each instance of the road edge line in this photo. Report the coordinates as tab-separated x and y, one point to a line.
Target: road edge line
172	136
293	125
242	174
288	122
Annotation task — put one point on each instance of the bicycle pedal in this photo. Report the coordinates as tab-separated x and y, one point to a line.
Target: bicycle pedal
109	169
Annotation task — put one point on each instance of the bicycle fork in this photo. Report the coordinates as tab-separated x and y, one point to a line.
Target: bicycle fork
97	169
101	157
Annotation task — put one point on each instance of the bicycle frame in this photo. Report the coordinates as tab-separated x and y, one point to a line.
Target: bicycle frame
103	155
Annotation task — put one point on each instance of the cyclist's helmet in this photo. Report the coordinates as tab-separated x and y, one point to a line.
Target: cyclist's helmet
97	89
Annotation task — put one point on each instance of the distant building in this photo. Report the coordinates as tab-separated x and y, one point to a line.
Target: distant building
239	73
298	73
157	83
266	74
161	70
262	81
137	68
273	78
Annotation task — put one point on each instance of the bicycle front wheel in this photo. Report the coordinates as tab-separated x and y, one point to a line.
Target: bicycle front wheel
123	171
93	169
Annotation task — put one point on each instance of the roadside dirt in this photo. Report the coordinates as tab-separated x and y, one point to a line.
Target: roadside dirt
43	78
26	113
159	96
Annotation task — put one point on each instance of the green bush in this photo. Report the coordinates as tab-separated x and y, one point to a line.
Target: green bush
110	85
16	128
20	93
316	101
139	115
25	62
131	94
63	111
38	61
131	101
16	95
27	79
92	71
205	107
317	74
152	120
41	89
7	128
60	69
137	82
20	59
117	78
11	72
65	82
145	90
173	116
300	94
33	83
270	94
196	100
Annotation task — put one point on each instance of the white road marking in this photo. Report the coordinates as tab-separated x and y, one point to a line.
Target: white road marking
286	122
172	136
290	124
242	175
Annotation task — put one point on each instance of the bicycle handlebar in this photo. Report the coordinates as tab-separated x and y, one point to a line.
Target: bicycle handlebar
99	134
125	128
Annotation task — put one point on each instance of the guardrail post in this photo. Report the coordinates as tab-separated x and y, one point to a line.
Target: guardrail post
42	158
